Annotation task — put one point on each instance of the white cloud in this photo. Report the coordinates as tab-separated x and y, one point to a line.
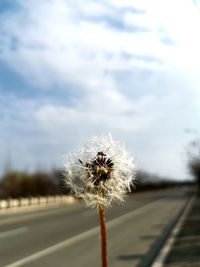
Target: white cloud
86	45
106	111
56	39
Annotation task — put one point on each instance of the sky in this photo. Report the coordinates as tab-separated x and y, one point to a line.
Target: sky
74	69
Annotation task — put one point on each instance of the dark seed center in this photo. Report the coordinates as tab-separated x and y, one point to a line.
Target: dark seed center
101	167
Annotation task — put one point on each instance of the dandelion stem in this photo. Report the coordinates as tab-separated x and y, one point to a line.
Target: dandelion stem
103	235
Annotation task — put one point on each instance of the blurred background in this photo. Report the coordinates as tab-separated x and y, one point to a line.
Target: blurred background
73	69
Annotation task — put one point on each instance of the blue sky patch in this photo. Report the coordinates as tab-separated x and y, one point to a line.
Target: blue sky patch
69	71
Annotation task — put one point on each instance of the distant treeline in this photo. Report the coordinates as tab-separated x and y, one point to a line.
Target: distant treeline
17	184
148	181
194	168
193	159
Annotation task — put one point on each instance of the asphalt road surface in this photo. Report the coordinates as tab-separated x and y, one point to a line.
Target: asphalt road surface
68	235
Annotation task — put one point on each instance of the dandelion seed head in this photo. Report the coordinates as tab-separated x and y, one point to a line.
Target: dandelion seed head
100	172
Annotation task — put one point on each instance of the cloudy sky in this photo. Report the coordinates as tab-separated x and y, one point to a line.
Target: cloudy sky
72	69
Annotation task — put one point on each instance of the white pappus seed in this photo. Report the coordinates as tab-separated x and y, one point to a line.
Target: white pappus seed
100	172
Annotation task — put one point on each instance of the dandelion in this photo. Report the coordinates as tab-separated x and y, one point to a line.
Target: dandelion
101	172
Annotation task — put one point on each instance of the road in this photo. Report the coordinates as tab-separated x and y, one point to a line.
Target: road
69	235
186	246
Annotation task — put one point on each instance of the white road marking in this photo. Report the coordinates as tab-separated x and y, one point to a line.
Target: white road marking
160	259
82	236
17	231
